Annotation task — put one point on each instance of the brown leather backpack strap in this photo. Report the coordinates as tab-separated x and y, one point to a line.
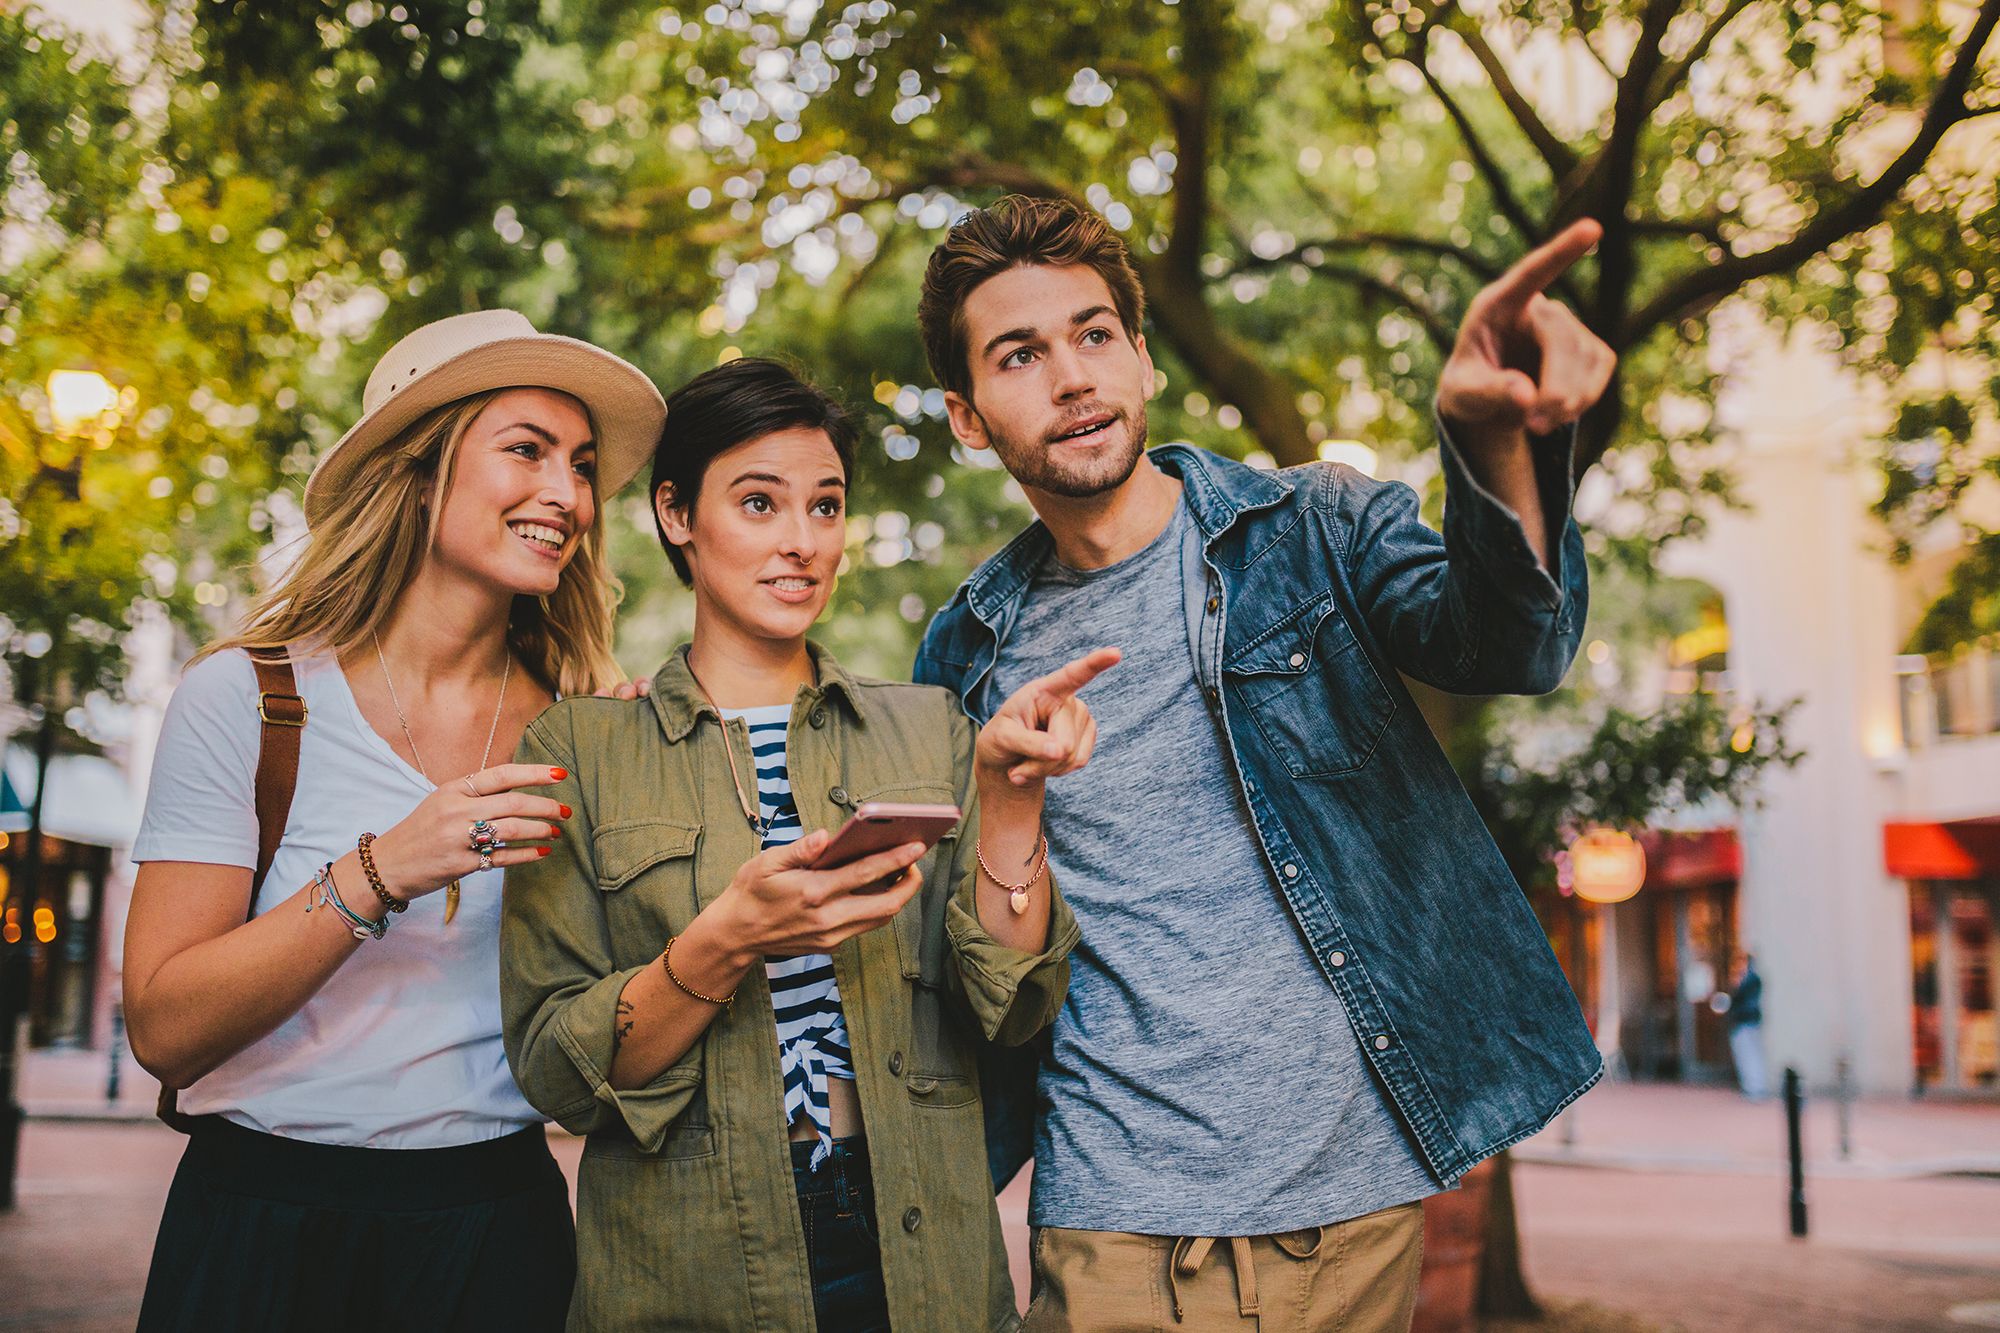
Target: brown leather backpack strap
283	711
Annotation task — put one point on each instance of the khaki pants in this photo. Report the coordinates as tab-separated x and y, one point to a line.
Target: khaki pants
1358	1276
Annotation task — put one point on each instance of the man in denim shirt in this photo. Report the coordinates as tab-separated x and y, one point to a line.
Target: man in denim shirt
1309	991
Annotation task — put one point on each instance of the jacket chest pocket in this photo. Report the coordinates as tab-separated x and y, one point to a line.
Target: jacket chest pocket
1311	691
646	869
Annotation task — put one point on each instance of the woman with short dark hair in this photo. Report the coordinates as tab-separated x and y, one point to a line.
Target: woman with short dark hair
774	1059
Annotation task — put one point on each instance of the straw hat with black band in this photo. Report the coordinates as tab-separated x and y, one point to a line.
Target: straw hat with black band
462	355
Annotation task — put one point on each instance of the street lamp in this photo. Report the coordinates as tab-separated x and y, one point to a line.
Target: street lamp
82	405
1606	866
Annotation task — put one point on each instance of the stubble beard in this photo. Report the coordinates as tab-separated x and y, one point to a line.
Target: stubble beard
1034	466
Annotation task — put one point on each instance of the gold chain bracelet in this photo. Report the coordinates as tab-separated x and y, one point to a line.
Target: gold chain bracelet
364	849
1017	894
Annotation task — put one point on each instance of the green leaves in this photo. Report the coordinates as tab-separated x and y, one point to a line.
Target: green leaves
1626	771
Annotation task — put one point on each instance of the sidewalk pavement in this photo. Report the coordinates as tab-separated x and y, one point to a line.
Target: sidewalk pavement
1651	1127
70	1085
1668	1128
1676	1249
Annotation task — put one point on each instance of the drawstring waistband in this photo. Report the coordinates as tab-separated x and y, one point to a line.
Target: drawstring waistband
1190	1252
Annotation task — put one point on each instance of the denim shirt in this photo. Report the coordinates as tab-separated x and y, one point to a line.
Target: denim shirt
1307	592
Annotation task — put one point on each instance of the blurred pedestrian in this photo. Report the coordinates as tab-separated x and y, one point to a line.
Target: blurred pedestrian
1308	991
1746	1031
813	1157
312	951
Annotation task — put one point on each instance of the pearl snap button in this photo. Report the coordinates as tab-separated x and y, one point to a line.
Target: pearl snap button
1337	958
1298	659
1381	1043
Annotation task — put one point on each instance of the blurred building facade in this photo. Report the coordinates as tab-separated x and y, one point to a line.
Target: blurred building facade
1868	883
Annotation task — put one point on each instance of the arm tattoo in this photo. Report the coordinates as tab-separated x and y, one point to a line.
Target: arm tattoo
622	1028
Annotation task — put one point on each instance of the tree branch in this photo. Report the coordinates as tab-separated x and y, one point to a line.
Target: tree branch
1707	227
1559	156
1202	39
1489	168
1669	79
1441	334
1479	266
1859	210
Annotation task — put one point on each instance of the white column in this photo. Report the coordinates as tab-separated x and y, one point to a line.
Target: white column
1809	596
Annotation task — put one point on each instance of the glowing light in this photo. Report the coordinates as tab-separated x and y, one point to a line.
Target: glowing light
1599	651
1351	452
1745	736
45	924
77	398
1606	866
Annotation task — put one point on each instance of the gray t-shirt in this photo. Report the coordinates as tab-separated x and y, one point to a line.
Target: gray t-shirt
1204	1078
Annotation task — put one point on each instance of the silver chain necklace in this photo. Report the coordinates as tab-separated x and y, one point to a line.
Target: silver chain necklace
506	670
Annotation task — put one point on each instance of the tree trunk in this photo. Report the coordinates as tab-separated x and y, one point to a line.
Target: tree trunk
1503	1288
1269	406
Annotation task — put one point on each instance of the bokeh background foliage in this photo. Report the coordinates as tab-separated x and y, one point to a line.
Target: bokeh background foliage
231	221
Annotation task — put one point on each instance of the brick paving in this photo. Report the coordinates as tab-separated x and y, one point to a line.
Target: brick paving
1666	1127
1666	1213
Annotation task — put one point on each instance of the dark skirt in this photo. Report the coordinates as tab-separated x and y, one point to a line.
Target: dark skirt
282	1236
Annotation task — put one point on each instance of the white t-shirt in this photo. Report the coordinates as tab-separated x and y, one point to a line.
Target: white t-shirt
401	1047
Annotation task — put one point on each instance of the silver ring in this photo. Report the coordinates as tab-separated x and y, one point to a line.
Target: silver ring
479	836
471	790
486	860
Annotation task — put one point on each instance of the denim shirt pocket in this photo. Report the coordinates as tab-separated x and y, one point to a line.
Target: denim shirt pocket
1311	690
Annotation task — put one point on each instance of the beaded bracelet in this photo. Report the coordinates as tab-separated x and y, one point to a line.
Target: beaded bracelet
365	850
667	961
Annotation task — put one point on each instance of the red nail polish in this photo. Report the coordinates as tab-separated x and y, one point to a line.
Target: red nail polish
543	851
558	774
565	811
554	831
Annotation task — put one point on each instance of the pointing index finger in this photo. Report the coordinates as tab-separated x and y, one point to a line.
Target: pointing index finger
1540	267
1067	679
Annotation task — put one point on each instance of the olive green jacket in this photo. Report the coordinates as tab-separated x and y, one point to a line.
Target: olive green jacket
686	1215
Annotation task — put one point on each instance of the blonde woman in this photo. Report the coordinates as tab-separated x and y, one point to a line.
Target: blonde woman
359	1155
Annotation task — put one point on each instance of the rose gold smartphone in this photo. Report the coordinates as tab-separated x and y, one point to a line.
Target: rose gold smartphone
877	826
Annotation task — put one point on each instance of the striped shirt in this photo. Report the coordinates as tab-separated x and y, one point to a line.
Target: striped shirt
812	1032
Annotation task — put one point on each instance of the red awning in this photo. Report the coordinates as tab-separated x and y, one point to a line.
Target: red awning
1949	849
1692	860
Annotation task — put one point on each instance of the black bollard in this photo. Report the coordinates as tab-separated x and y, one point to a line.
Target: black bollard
1794	1105
117	1050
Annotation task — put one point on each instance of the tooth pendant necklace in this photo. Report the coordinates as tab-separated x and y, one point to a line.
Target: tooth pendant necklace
506	670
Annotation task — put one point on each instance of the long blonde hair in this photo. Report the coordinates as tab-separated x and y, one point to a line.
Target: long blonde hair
367	548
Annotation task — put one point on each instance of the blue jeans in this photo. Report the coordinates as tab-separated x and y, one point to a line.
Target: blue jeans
837	1206
1746	1046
